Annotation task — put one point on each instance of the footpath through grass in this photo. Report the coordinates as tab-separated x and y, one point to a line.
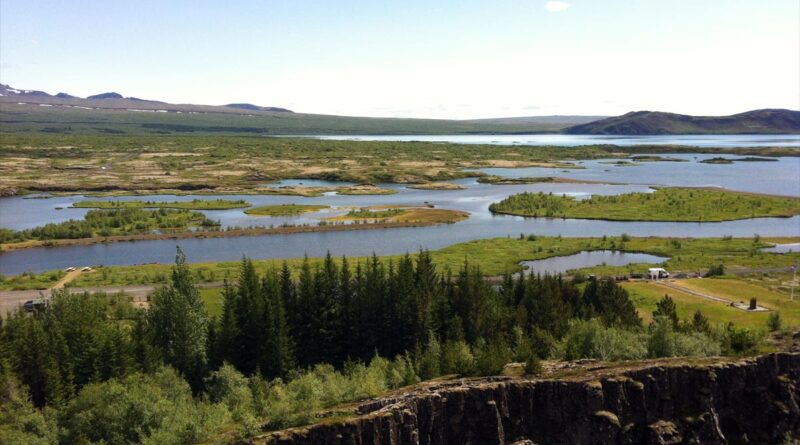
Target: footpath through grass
665	204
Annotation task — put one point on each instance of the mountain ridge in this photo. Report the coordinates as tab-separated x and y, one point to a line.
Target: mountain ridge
116	101
763	121
111	112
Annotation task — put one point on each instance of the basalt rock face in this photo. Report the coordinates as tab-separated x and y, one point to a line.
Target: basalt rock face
748	401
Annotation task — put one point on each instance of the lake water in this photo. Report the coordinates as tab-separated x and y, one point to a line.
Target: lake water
781	177
783	248
569	140
562	264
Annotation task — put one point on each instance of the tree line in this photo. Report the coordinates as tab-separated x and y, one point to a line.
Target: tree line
348	330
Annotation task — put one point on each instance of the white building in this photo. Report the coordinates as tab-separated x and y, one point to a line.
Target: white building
657	272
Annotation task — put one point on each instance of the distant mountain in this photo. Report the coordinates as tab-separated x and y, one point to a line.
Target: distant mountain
111	113
556	119
106	96
6	90
771	121
115	101
252	107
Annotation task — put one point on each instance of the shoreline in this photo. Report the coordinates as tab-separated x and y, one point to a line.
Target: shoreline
458	216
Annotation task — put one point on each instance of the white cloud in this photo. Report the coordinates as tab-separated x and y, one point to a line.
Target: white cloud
556	6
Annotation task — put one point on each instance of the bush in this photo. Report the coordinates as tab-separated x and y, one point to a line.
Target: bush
738	341
298	401
533	366
774	321
491	357
228	386
715	271
20	422
148	409
590	339
429	362
457	358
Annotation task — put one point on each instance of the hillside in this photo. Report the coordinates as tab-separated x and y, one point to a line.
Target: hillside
774	121
111	113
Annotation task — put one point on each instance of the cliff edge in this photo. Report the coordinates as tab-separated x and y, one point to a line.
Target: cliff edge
726	401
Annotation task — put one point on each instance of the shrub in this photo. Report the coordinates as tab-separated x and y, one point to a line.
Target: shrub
715	271
590	339
533	366
774	321
738	340
148	409
429	362
228	386
491	357
20	422
457	358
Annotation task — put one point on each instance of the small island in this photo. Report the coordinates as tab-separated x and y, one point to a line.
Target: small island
721	160
195	204
285	209
437	186
402	215
665	204
311	192
100	224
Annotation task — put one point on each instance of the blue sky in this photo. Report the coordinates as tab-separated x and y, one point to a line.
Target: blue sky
445	59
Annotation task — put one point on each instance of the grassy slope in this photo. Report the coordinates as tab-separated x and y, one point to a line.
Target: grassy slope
27	118
666	204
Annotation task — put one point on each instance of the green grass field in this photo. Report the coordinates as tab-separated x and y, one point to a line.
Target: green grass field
495	256
665	204
285	209
645	295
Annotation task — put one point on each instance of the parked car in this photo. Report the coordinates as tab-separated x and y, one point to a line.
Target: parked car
32	305
86	269
69	269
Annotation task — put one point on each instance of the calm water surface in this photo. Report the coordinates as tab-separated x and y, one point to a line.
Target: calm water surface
562	264
781	177
569	140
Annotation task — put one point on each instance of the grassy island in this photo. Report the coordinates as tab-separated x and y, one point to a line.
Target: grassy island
665	204
285	209
422	215
437	186
104	223
195	204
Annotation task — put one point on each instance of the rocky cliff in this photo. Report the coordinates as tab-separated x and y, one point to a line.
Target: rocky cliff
668	402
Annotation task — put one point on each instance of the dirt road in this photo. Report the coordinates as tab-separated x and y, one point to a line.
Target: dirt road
10	300
725	301
66	279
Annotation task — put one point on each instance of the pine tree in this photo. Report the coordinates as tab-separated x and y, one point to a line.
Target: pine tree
666	308
179	323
